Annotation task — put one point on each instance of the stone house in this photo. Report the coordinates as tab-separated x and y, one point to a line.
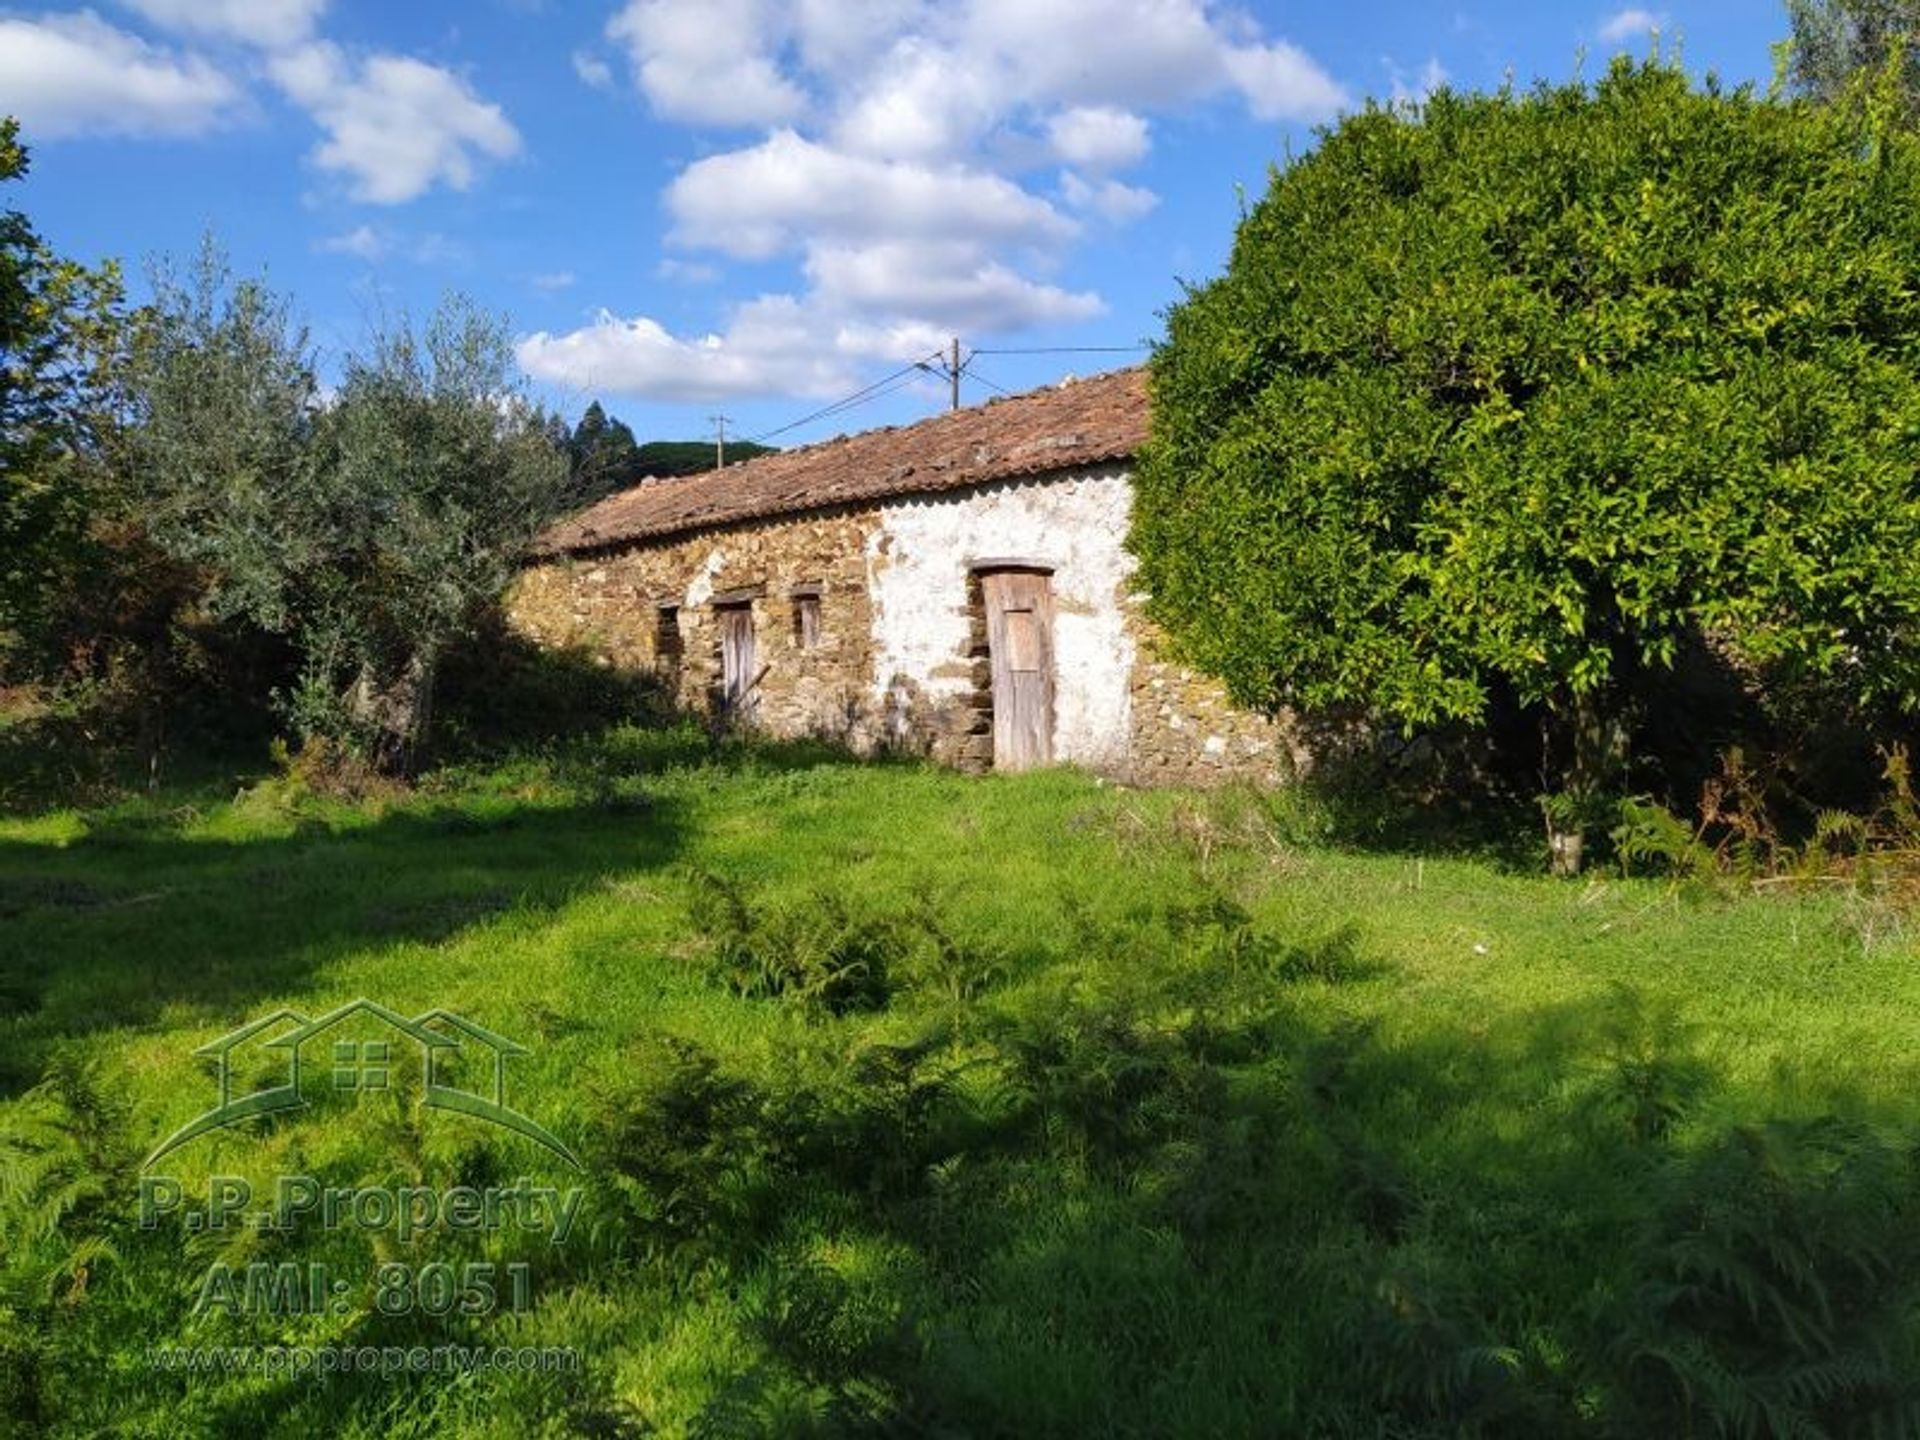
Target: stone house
959	588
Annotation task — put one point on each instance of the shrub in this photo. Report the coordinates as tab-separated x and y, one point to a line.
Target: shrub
1508	399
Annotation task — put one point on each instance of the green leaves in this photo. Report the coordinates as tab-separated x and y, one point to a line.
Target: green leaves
373	526
59	329
1525	390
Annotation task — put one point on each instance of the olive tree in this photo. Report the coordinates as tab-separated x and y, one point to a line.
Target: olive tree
1518	394
442	471
372	525
1834	42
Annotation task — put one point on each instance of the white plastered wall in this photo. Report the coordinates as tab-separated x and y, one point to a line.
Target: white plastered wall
917	563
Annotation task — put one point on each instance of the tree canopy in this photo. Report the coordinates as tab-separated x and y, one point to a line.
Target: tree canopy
1518	393
373	527
1834	42
693	457
59	324
603	456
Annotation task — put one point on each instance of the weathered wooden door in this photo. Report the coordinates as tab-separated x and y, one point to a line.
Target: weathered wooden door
1019	605
739	670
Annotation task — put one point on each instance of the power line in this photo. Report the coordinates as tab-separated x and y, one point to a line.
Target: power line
847	402
976	375
1068	350
949	369
858	397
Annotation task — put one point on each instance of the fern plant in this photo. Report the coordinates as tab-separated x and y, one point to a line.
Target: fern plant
1777	1291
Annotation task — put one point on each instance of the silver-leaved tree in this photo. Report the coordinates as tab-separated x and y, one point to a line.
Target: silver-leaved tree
372	526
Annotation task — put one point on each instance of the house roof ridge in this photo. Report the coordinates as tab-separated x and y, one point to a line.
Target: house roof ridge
1088	420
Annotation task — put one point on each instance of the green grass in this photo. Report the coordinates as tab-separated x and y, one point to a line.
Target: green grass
917	1103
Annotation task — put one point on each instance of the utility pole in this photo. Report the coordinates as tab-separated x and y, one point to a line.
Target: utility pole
720	440
953	373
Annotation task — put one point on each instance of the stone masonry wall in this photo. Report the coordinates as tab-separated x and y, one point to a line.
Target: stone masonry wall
611	604
1186	731
901	658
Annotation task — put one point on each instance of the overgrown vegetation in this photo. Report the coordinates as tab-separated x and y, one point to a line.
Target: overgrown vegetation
194	525
1555	411
374	531
911	1102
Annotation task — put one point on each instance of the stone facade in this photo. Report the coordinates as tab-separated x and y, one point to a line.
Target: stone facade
898	655
650	607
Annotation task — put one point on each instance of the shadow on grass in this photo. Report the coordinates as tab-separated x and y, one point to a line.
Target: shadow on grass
504	696
136	918
1160	1182
1100	1218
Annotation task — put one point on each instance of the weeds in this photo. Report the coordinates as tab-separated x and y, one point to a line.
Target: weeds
1738	837
889	1139
1775	1288
816	952
1649	1075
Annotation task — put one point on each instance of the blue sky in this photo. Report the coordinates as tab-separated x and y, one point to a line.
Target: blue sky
740	207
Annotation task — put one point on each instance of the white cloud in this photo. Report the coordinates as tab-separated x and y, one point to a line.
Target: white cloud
902	143
686	272
376	243
65	75
948	285
1415	89
699	60
364	243
554	280
845	37
270	24
773	346
1282	82
1131	53
1109	198
592	70
1626	25
395	126
788	191
919	104
1098	137
871	304
1137	54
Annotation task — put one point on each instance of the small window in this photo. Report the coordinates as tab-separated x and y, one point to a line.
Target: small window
667	645
806	614
360	1066
806	621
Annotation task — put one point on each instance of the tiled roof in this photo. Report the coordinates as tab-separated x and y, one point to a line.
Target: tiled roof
1081	422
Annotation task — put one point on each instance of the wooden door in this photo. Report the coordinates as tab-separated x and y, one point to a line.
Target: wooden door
739	672
1019	605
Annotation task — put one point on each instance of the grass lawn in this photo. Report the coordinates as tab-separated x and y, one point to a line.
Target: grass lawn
912	1103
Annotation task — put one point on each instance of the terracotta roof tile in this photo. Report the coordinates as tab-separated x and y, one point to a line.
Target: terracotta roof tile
1082	422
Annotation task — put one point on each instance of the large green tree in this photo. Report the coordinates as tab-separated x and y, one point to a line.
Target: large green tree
373	526
1519	394
59	324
